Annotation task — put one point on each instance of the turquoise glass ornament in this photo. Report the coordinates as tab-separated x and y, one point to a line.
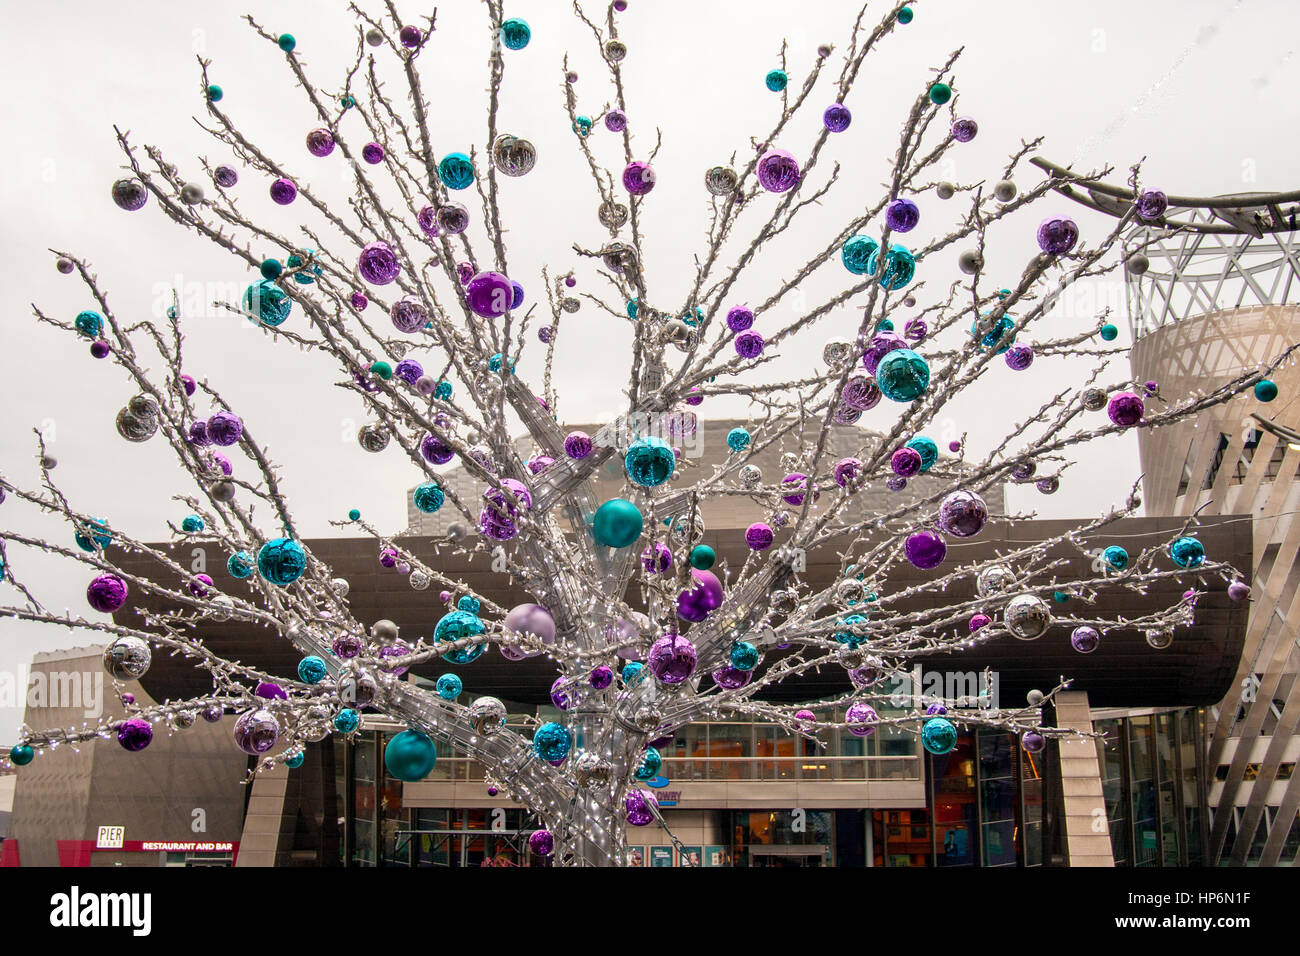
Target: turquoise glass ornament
1266	390
311	669
21	755
903	375
192	524
442	391
744	656
1116	557
347	720
456	171
776	80
899	268
857	254
849	637
449	686
651	762
702	557
296	760
89	323
271	268
469	603
269	303
649	462
1187	552
738	439
240	565
515	33
410	756
582	125
1109	332
215	93
354	515
457	625
999	337
287	42
617	523
927	449
428	497
938	736
281	561
633	673
551	741
99	536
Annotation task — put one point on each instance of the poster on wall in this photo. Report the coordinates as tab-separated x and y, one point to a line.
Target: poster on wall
716	856
635	856
661	856
691	856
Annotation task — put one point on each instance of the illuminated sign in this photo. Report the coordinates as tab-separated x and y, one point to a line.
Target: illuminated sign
110	838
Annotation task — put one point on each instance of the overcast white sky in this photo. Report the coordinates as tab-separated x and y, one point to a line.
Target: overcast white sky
1203	88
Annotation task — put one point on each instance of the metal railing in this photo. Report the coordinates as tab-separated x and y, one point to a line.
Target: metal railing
725	769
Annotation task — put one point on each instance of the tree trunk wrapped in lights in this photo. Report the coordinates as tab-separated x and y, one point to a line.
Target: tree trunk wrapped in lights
644	635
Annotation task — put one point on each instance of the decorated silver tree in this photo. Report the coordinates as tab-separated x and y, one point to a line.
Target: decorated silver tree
407	284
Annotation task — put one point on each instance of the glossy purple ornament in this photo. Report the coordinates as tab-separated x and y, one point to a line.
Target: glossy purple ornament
346	646
962	514
225	176
256	732
759	536
925	549
408	314
531	619
860	717
905	462
977	621
658	560
1085	639
270	691
916	330
372	153
427	220
541	842
902	215
577	445
1125	409
512	653
283	192
896	483
847	471
539	463
882	343
489	294
731	678
435	451
672	658
601	677
188	383
638	178
225	429
1057	235
1238	591
410	37
964	129
1033	741
100	349
860	393
134	734
497	519
409	371
320	142
749	345
359	301
199	434
778	171
201	586
1018	357
637	804
795	484
837	117
1151	205
739	318
616	121
558	696
698	602
106	593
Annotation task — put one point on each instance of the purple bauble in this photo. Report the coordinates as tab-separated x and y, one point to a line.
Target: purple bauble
134	733
882	343
658	560
531	619
749	345
187	383
860	717
363	380
936	710
837	118
512	653
731	678
964	129
283	192
320	142
1048	485
805	720
796	480
925	549
778	171
269	691
759	536
905	462
860	393
539	463
435	451
130	194
916	330
199	434
902	215
388	557
106	593
489	294
638	178
962	514
1057	235
220	461
847	471
558	697
693	397
846	415
541	842
378	264
1085	639
1033	742
99	349
1018	357
497	519
518	299
672	658
637	803
346	646
577	445
225	176
601	677
896	483
395	649
544	335
256	732
698	602
408	314
200	586
359	301
372	153
1238	591
1024	470
410	37
1152	388
225	429
409	371
1151	205
1125	409
616	121
954	446
427	219
739	318
979	620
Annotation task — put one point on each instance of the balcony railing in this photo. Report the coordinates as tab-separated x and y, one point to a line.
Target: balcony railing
729	769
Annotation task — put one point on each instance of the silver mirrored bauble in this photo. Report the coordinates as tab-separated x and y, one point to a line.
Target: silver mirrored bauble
836	353
340	587
1005	190
134	428
143	406
486	715
1035	697
374	37
513	156
945	190
191	193
751	476
357	686
570	304
615	50
850	591
994	579
591	771
221	608
127	658
456	531
646	718
1093	399
784	601
373	437
1137	264
970	261
419	580
850	658
1027	617
184	719
780	518
384	631
679	334
789	461
619	257
223	490
721	180
1160	637
612	215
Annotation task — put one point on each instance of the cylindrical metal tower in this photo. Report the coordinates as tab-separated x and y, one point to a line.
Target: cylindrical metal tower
1213	290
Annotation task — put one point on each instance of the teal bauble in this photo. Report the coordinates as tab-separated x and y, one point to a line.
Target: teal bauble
287	42
905	15
515	33
940	93
738	439
582	125
631	309
1109	333
449	686
999	337
649	462
1116	557
857	253
21	755
617	523
903	375
281	561
192	524
849	637
295	761
347	720
311	669
938	736
551	741
457	625
651	762
776	80
469	603
271	268
1266	390
354	515
215	93
456	171
744	656
410	756
633	673
1187	552
308	275
240	565
428	497
886	325
1061	597
442	390
99	536
927	449
899	268
89	323
269	303
702	557
494	364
